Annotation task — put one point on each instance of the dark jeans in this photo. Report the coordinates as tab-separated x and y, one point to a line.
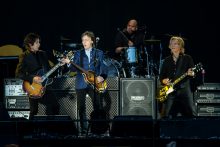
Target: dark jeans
81	104
180	101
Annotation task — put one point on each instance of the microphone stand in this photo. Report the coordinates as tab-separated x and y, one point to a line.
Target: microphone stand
161	53
59	70
203	76
145	50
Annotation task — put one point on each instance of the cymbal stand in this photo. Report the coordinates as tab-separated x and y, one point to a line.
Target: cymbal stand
132	71
161	61
148	71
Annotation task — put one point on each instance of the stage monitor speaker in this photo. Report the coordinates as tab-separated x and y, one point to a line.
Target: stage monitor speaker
191	128
51	127
129	125
137	96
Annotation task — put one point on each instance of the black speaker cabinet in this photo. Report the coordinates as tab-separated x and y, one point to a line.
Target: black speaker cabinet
110	99
137	96
61	93
65	103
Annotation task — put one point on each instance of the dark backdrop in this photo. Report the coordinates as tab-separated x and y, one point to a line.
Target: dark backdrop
196	21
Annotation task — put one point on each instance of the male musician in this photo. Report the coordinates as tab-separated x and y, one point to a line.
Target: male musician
85	60
33	64
175	66
129	37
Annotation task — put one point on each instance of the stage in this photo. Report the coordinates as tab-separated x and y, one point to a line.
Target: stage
122	131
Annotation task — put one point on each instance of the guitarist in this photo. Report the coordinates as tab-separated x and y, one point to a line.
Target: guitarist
89	59
33	62
180	101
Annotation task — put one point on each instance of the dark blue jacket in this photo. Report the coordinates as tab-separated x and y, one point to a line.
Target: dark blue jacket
96	65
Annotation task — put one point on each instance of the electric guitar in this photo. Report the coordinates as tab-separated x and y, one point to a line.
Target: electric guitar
37	90
166	90
91	79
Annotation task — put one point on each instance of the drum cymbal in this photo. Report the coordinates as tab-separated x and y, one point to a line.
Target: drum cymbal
151	41
64	38
169	35
73	45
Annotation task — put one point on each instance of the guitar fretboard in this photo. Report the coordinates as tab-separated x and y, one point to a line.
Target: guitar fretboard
50	71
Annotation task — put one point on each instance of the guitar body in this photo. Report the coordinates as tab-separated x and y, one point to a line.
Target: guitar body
92	80
163	93
34	90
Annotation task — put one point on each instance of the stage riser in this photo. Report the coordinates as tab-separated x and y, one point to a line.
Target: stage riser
204	128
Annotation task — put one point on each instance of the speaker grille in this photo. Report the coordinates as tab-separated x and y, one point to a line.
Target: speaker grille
110	103
62	83
66	102
112	83
137	96
63	90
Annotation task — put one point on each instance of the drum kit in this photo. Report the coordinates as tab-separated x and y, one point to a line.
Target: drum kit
144	62
132	65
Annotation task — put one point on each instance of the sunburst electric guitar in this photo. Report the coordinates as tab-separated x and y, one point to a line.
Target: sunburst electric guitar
91	79
166	90
37	90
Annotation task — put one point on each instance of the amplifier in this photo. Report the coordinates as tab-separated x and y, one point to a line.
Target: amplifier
207	96
19	114
209	86
14	95
16	102
14	87
208	110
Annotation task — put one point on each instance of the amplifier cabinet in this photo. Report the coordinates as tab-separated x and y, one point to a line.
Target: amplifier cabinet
13	87
207	96
209	86
16	102
14	95
137	96
19	114
208	110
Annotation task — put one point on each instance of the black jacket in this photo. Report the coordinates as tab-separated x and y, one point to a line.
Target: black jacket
32	64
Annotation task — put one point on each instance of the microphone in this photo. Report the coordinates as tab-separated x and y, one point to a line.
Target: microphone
97	39
203	76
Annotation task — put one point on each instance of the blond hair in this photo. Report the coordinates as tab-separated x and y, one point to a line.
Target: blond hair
180	41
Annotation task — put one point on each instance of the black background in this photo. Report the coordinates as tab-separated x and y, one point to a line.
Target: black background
196	21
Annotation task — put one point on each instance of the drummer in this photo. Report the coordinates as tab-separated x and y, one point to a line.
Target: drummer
129	37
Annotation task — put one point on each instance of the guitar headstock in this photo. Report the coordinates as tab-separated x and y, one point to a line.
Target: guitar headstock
68	54
197	68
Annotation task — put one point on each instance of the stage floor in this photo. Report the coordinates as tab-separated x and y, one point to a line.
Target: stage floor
123	131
